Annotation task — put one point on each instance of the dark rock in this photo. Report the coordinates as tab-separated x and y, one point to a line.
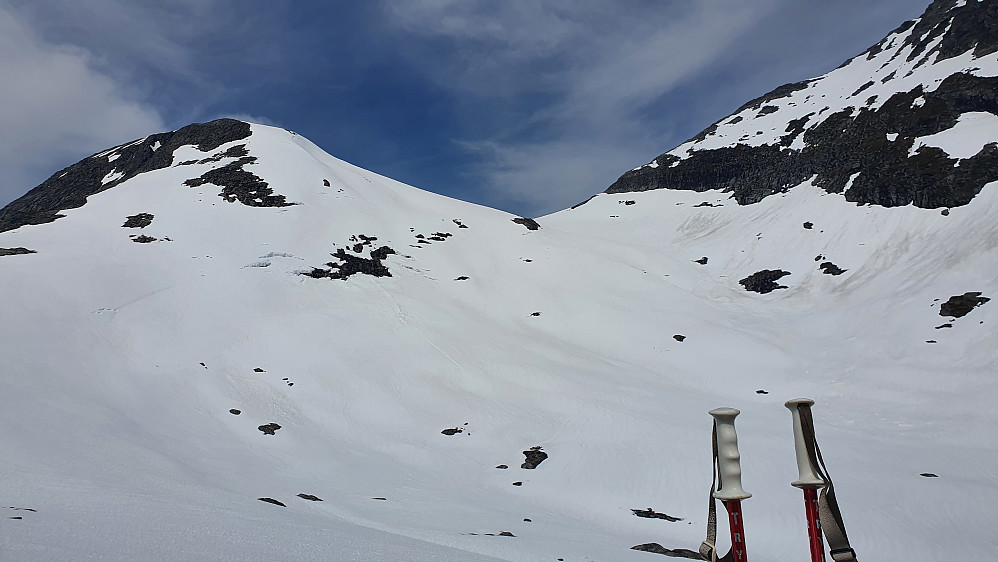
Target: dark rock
808	225
819	257
761	391
862	88
459	223
961	305
16	251
535	313
272	500
70	187
143	239
535	456
239	185
627	202
269	429
830	268
764	281
354	264
931	341
462	278
701	261
659	549
203	365
679	337
946	325
706	204
850	142
929	475
310	497
518	483
140	220
325	182
944	212
531	224
258	370
526	520
381	499
652	514
767	110
502	467
235	412
506	534
452	431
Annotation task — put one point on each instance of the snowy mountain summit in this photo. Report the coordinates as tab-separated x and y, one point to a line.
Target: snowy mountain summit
222	343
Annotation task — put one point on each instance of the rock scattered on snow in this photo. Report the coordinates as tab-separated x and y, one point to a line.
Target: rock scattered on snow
531	224
272	500
535	456
652	514
310	497
143	239
659	549
269	429
502	467
701	261
830	268
239	185
764	281
235	412
452	431
140	220
354	264
961	305
15	251
808	225
929	475
679	337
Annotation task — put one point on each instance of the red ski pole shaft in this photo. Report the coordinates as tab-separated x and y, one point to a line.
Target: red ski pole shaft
813	525
734	508
808	479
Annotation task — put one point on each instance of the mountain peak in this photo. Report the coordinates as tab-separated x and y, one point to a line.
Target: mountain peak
881	129
69	188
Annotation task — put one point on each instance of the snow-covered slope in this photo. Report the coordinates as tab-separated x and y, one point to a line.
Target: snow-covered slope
233	277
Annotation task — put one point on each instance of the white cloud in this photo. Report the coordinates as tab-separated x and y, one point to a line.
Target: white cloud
598	64
56	108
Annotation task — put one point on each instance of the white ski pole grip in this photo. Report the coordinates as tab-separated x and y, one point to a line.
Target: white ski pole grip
807	477
728	459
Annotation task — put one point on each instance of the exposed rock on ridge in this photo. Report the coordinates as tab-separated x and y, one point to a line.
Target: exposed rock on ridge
70	187
857	150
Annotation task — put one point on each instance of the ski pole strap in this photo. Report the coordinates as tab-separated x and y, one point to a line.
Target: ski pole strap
708	548
829	515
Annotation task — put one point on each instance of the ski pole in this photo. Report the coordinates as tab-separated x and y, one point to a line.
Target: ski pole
808	480
730	472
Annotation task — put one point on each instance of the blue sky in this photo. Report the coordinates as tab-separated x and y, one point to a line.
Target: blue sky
528	106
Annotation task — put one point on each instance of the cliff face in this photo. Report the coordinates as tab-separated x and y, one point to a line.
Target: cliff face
913	120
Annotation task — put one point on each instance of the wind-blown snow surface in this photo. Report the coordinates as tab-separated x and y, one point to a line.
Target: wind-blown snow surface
123	442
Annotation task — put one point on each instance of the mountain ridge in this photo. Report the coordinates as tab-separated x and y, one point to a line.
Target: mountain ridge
260	351
864	150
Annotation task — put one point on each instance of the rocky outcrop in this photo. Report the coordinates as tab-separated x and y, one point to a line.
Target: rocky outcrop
857	148
70	187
